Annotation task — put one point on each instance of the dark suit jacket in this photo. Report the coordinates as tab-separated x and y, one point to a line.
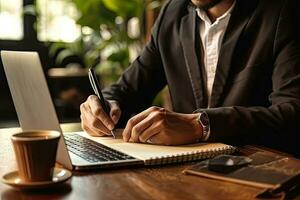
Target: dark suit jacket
256	93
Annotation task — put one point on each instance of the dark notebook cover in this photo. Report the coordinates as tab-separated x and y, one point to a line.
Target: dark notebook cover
267	170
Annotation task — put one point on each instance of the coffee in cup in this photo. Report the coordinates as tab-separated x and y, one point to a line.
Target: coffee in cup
35	153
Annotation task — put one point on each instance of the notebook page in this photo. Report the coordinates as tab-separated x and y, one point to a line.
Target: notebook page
148	151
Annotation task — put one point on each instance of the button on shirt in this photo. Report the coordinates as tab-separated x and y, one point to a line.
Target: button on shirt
211	35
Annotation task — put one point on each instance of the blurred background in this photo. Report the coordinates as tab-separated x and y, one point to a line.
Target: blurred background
71	36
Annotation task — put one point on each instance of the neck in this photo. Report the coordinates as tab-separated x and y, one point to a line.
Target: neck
219	9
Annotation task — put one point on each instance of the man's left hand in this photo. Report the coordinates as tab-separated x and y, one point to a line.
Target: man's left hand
159	126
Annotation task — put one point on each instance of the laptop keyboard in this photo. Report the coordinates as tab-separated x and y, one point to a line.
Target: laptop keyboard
91	150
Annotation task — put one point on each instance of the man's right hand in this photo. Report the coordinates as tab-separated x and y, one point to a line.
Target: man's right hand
94	120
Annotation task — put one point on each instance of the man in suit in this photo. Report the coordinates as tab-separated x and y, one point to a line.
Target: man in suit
233	71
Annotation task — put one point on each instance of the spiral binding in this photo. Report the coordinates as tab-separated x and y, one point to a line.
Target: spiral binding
191	156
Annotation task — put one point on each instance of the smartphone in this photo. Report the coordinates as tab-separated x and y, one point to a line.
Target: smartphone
228	163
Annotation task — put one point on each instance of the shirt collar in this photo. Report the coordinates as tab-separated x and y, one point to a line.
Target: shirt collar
203	15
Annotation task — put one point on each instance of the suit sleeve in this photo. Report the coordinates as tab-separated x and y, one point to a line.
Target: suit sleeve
140	83
281	121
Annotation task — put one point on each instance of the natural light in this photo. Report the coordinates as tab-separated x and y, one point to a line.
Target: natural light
57	21
11	18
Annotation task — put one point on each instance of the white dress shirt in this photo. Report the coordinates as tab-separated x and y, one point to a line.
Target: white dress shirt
212	36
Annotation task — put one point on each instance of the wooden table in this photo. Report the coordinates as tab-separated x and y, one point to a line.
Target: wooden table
161	182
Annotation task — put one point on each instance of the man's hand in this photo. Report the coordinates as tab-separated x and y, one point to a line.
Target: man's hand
159	126
94	120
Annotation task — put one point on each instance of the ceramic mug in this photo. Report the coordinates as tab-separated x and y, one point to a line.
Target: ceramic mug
35	153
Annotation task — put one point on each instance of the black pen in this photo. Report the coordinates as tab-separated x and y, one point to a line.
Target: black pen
96	87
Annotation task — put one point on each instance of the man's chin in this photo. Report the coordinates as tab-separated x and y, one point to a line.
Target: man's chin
205	4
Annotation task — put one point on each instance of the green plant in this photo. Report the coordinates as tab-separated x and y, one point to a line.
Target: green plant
107	38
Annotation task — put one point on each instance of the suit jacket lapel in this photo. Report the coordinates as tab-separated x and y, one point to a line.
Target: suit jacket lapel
188	39
239	19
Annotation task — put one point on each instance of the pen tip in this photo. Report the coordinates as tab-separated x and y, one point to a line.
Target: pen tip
113	134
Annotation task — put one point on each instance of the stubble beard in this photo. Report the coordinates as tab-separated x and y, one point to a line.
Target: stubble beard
208	5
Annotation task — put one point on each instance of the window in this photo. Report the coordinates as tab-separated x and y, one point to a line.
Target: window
57	21
11	20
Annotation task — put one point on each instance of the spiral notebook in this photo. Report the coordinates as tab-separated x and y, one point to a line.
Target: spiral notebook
158	154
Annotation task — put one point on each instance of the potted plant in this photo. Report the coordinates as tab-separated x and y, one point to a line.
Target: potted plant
109	31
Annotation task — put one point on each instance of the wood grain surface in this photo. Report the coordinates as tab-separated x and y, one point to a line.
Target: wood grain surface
160	182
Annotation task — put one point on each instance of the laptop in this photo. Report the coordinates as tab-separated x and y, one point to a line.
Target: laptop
35	111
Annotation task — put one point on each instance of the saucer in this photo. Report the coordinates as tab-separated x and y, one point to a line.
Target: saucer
59	176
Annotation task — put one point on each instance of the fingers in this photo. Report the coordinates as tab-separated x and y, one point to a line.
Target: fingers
90	131
127	131
98	111
152	120
159	139
147	135
139	128
139	123
93	122
133	121
90	122
155	134
115	111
